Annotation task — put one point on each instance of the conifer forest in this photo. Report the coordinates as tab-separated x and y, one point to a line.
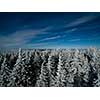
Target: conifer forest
50	68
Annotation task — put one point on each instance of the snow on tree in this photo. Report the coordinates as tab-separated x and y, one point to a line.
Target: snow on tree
97	64
72	70
76	54
43	80
37	62
1	60
61	73
20	53
17	74
23	73
52	65
5	73
85	70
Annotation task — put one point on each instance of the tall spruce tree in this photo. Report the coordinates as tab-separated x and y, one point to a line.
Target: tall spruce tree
52	65
62	72
44	79
5	73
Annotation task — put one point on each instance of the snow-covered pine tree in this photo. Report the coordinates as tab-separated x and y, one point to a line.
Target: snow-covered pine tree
17	74
23	71
93	75
88	67
52	65
93	71
1	60
97	62
61	80
44	78
76	54
78	75
85	71
97	81
36	64
5	73
72	70
20	53
12	60
17	77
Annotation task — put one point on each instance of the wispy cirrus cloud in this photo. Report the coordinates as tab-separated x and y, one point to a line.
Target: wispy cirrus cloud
85	39
20	38
59	36
71	30
73	40
81	20
51	38
16	38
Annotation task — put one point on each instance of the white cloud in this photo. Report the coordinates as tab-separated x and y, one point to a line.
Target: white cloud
73	40
71	30
59	36
17	38
81	20
51	38
20	38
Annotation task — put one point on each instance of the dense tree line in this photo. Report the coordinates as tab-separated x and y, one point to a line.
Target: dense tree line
50	68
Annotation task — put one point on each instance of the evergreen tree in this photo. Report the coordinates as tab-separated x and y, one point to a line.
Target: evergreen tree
44	76
52	65
5	73
1	60
62	72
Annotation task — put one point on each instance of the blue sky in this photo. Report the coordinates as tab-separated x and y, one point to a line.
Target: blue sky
49	30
